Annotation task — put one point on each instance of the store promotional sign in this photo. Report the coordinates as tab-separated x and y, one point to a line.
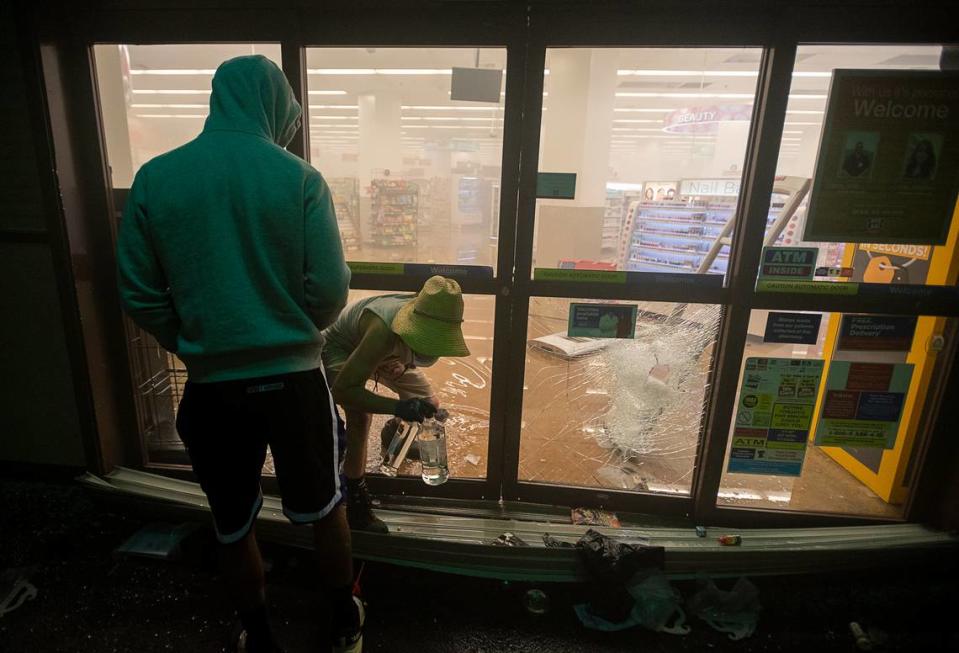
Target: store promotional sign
877	332
711	187
705	119
792	328
602	321
674	279
776	404
863	404
788	263
888	167
556	185
422	269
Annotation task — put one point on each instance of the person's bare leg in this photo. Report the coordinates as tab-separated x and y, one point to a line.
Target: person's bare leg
334	549
241	566
357	434
334	563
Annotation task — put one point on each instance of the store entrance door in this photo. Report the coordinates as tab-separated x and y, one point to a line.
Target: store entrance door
626	221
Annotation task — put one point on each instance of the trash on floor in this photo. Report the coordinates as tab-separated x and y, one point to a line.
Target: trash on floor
536	601
700	531
612	565
16	589
590	517
553	543
157	540
509	539
735	611
863	643
730	540
472	459
658	605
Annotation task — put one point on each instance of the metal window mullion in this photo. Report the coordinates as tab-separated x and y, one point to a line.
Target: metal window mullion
535	64
760	168
293	56
500	385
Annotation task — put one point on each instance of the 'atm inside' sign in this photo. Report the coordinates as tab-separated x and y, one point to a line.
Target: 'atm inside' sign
788	262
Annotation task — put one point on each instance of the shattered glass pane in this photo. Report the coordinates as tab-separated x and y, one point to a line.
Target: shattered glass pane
610	413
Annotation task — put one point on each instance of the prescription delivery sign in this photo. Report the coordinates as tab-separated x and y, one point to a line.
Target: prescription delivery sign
773	416
888	166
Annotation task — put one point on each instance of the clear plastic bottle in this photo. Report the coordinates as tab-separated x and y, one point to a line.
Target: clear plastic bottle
432	444
399	447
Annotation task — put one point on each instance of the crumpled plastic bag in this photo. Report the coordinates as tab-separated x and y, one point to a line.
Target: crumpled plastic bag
657	606
734	612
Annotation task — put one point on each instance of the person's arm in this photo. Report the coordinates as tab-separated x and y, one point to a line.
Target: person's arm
349	389
144	290
326	276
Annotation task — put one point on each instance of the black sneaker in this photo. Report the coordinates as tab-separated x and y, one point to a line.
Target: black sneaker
359	509
352	643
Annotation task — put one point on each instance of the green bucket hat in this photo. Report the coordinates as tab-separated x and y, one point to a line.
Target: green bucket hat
432	323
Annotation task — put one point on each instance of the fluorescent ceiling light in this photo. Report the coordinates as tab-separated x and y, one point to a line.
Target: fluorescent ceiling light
806	111
170	91
312	117
171	115
447	107
327	92
801	123
445	127
340	132
687	95
379	71
793	131
334	106
173	71
709	73
169	106
452	118
792	96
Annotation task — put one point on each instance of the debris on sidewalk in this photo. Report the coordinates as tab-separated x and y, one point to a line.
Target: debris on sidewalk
536	601
612	565
590	517
730	540
472	459
15	590
734	612
553	543
157	540
509	539
700	531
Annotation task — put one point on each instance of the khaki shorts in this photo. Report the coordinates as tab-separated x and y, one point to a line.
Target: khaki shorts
411	384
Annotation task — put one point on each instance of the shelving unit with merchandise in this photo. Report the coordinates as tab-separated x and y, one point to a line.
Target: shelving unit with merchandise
617	206
676	235
395	205
346	203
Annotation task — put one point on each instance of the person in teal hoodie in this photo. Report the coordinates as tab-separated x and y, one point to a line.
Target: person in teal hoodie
230	256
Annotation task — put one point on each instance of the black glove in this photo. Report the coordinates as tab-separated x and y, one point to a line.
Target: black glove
414	410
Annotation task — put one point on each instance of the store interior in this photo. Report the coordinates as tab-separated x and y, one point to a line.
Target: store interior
411	148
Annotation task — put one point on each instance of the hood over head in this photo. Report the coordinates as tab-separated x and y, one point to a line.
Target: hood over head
251	94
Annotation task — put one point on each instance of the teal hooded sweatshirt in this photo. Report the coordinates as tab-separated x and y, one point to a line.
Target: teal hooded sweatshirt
229	253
